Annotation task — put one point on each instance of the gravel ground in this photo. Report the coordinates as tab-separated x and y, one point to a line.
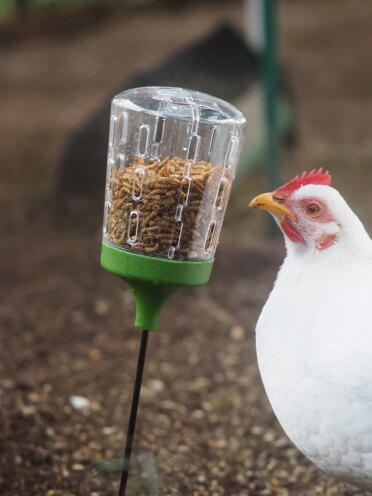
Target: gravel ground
205	426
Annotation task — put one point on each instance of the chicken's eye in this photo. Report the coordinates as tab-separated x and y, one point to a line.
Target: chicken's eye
313	209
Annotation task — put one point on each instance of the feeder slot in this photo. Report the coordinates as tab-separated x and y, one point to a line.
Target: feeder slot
179	211
193	147
187	169
110	165
210	236
221	194
176	241
109	179
133	227
159	130
121	128
185	191
158	137
211	144
139	181
112	130
107	217
121	162
154	151
171	252
231	151
143	140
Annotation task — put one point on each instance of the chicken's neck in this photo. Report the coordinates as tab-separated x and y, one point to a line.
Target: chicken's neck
352	243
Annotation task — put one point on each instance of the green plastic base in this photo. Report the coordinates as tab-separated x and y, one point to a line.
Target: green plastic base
152	280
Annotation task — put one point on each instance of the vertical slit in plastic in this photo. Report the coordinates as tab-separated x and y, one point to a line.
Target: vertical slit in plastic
139	183
210	236
177	234
110	165
143	140
133	227
159	130
109	183
106	218
193	147
121	128
121	161
221	194
171	252
211	144
112	130
231	151
185	191
187	169
179	211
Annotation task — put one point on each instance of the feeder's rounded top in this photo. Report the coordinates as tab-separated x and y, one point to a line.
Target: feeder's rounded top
179	103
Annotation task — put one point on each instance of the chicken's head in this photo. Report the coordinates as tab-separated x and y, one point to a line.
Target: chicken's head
308	210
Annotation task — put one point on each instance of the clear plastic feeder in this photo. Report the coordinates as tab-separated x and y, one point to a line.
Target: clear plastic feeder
171	161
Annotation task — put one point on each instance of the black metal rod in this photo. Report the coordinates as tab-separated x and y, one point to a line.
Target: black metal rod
133	413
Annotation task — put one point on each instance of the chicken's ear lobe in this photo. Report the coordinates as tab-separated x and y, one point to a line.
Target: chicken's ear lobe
325	241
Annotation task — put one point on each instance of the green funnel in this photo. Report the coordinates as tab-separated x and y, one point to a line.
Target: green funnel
152	280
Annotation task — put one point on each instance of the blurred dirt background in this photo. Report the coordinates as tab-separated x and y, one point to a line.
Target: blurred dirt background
66	326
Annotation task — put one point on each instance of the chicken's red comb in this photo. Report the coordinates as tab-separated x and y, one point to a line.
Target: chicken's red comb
313	177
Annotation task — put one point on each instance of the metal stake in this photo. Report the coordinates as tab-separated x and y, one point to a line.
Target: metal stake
133	413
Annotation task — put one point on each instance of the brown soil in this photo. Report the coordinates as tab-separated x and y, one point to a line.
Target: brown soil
67	325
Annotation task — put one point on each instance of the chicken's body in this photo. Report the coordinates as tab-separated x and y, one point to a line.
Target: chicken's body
314	348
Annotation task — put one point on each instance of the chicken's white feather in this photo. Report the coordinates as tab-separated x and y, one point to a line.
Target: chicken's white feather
314	345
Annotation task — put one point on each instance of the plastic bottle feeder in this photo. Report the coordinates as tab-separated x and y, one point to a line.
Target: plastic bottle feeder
171	162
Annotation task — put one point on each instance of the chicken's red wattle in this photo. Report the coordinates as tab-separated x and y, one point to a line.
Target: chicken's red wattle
290	231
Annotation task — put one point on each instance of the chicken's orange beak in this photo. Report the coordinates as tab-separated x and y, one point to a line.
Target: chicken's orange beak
266	201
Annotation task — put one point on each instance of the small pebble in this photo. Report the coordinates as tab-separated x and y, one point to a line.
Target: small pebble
237	333
50	432
28	410
79	403
101	307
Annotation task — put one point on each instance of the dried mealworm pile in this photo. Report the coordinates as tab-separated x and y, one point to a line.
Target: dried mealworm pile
157	207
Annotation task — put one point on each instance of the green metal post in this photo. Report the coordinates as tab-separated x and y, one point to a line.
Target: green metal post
270	79
270	84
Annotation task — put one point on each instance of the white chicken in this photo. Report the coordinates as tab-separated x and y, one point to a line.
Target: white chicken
314	335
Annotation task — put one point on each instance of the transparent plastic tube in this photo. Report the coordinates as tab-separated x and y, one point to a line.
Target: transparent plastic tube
172	158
